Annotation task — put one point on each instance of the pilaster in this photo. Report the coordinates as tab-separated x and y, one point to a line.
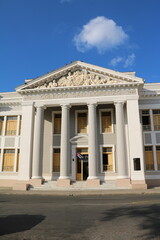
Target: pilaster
26	141
135	144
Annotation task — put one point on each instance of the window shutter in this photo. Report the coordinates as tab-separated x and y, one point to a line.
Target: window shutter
110	162
57	124
82	124
106	123
56	162
11	127
8	161
156	120
149	160
158	158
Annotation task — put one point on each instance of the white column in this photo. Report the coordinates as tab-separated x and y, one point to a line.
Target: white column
121	142
92	140
26	141
65	144
135	138
38	144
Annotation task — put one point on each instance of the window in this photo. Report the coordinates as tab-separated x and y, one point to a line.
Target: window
18	155
149	158
146	120
1	124
8	160
106	122
82	122
107	157
156	120
56	160
57	123
11	126
158	156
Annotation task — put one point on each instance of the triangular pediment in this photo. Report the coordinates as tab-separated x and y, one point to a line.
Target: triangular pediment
79	74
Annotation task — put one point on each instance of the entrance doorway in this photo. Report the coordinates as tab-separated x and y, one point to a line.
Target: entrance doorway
81	164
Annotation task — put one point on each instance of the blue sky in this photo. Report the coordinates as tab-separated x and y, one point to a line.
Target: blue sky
38	36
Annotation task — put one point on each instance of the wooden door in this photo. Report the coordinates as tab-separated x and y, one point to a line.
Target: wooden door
80	163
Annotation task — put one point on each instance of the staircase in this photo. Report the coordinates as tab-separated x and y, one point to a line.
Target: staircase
77	186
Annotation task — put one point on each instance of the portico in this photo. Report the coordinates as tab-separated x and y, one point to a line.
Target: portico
68	142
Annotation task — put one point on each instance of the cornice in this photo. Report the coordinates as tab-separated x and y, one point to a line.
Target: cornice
10	103
66	89
149	93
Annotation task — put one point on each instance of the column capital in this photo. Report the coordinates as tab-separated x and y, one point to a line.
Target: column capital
40	106
65	105
119	102
92	104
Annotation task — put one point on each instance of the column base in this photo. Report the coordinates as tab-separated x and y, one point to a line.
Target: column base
93	182
63	182
21	186
36	182
139	184
125	182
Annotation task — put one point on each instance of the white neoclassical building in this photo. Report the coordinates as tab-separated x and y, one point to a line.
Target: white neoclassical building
81	122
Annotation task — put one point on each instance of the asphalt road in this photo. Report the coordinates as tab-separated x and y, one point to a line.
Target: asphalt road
112	217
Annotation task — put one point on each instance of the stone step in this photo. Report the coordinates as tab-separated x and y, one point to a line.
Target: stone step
78	185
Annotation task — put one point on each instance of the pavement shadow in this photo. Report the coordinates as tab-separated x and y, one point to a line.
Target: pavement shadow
147	218
18	223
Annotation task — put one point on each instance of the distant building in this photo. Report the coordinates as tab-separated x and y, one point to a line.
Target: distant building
81	123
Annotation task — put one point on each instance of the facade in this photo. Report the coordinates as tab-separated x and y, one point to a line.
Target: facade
81	123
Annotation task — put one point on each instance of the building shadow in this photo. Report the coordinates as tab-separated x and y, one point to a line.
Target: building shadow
18	223
146	218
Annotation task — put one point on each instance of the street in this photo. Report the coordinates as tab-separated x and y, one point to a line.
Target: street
110	217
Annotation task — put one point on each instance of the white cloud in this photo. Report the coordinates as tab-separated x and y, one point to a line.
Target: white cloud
100	32
130	60
126	61
116	60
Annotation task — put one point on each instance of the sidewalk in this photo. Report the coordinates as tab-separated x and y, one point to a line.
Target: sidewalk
5	190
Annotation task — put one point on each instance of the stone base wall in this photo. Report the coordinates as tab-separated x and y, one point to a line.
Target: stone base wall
153	183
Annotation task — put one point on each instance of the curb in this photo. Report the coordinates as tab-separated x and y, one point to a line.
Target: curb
79	192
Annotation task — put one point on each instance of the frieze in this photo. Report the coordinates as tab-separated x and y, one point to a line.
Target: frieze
79	78
75	94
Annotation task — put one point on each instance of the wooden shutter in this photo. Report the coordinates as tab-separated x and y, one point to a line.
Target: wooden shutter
11	127
156	120
158	156
57	124
149	158
106	122
82	123
110	162
56	160
8	160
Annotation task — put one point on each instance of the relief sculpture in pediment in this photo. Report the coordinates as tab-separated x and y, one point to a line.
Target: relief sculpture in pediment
79	78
